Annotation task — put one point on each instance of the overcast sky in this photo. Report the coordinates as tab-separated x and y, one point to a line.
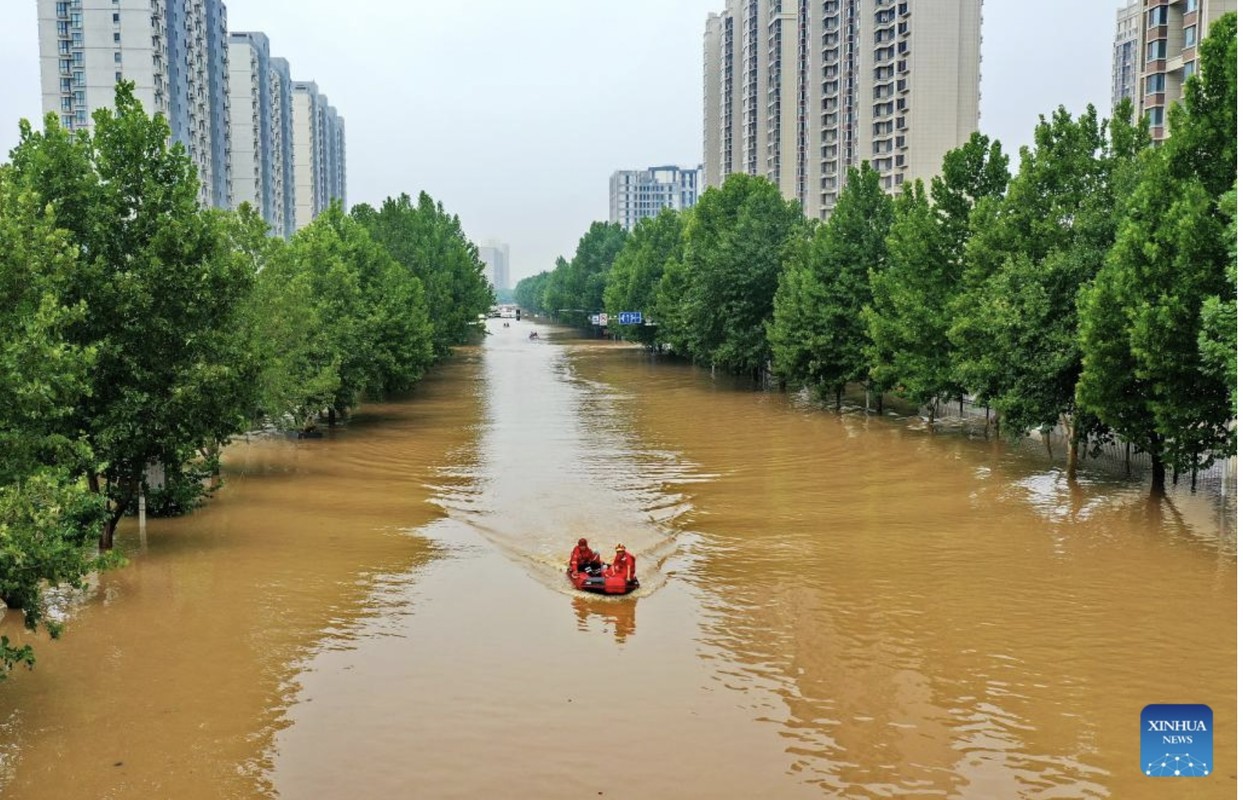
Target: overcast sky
514	113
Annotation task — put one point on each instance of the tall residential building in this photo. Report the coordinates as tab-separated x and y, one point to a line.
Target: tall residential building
713	127
805	90
252	129
280	89
639	194
318	153
1172	30
1126	54
495	258
173	50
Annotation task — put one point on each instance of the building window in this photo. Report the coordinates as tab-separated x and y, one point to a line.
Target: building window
116	19
1158	16
1189	37
1156	50
116	58
1189	69
116	38
1154	83
1156	116
1192	5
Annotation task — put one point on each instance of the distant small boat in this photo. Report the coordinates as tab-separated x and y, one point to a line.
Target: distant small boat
605	581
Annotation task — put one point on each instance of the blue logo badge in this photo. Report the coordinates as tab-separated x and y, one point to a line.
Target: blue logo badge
1176	741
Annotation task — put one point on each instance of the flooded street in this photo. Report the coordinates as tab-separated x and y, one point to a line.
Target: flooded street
831	606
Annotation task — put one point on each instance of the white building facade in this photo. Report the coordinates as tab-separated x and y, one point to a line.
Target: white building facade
318	147
173	50
253	134
251	128
639	194
802	91
495	258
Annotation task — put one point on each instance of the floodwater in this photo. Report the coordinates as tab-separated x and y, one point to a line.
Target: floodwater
832	606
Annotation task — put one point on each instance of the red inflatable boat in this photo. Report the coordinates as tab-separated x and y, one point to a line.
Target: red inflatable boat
603	582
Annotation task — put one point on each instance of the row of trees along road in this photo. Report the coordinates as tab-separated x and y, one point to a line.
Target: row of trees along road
137	328
1093	288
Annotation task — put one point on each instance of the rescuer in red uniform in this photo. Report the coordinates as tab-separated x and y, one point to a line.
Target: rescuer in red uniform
583	558
623	563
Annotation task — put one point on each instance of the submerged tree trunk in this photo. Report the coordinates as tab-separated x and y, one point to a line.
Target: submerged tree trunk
107	533
1158	466
880	402
108	527
932	412
332	416
1072	445
837	398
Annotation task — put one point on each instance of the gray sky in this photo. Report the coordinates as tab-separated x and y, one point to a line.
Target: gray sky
514	113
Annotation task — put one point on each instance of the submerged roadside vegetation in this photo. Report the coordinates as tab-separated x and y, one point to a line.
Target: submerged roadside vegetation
138	329
1092	289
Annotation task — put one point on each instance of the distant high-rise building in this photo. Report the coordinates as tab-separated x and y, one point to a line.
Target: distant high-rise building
639	194
252	129
1126	54
495	258
799	91
318	153
174	51
280	89
1172	30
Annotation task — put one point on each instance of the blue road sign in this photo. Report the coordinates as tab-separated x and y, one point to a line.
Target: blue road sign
630	317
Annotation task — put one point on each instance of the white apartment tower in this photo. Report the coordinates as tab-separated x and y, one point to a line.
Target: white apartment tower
495	258
250	111
318	153
280	90
799	91
173	50
642	193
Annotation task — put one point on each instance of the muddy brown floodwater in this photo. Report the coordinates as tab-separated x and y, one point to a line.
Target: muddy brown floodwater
832	606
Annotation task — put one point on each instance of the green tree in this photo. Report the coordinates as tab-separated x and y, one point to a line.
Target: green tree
430	243
1142	320
1219	343
735	241
908	316
48	520
587	273
636	273
1046	239
161	288
529	292
818	333
913	298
